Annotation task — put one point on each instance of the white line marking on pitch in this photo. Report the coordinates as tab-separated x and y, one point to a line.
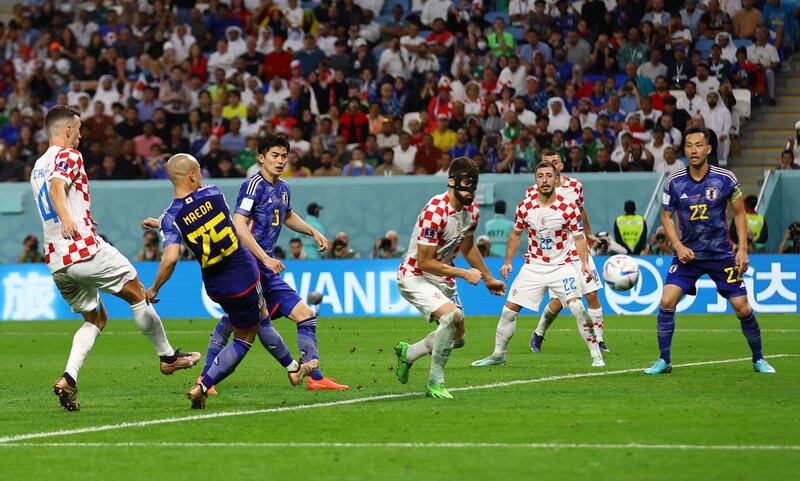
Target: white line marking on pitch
383	397
692	447
424	328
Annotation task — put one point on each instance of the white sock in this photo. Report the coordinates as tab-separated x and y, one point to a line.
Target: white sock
149	323
597	319
505	331
442	345
420	348
585	328
82	344
294	366
545	321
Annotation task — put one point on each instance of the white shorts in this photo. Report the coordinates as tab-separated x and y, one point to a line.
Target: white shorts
534	280
592	286
427	295
108	271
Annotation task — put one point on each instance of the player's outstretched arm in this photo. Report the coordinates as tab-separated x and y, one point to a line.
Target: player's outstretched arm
168	260
740	219
243	231
297	224
475	259
58	196
426	255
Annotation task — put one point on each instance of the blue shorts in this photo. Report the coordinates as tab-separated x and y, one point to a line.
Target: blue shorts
246	310
723	272
280	296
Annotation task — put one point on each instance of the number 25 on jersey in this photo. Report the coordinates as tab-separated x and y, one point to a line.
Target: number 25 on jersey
213	240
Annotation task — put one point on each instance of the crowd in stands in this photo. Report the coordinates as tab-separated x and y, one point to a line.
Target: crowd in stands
370	87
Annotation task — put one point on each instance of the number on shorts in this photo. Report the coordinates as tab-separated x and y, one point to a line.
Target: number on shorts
213	240
733	275
45	205
569	284
456	300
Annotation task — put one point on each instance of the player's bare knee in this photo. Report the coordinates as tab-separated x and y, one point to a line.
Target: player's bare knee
740	306
247	334
133	292
554	306
301	312
513	307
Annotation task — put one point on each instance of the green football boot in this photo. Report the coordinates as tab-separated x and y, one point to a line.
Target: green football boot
403	366
438	391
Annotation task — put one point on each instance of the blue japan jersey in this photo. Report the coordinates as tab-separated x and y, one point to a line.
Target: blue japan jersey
700	207
202	222
267	206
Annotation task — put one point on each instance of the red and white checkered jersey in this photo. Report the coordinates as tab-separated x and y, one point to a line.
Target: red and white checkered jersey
66	164
441	226
550	229
570	189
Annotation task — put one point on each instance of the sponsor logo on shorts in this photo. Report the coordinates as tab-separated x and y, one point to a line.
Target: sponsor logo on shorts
673	268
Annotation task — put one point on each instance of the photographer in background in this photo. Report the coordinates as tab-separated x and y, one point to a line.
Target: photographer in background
659	244
387	247
30	250
606	246
791	240
151	247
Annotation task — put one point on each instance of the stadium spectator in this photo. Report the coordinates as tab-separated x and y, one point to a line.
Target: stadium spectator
30	250
718	118
787	161
659	244
765	56
671	162
387	167
790	244
296	251
637	158
151	247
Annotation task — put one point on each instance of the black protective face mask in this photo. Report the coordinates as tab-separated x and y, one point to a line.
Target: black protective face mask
464	184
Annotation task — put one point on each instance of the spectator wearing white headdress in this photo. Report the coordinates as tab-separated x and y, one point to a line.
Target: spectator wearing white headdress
107	93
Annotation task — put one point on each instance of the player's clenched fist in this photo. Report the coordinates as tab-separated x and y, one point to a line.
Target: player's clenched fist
473	276
684	254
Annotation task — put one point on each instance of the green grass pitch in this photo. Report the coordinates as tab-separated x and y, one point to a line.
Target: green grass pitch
711	421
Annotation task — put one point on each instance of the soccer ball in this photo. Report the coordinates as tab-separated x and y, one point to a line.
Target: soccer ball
621	272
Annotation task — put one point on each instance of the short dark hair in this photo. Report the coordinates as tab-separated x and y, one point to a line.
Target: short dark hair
751	201
545	165
463	166
58	113
269	141
294	240
549	153
500	207
787	151
696	129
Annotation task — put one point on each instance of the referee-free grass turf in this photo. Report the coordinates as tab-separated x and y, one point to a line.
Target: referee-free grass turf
721	405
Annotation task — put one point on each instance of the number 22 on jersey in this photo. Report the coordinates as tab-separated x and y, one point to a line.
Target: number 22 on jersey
213	239
699	212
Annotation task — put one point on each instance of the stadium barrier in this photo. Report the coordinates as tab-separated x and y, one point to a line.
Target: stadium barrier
364	207
780	204
368	288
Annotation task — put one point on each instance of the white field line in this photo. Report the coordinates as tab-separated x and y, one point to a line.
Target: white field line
459	445
409	329
383	397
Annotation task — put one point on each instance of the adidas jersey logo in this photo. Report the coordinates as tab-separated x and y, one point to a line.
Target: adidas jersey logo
684	196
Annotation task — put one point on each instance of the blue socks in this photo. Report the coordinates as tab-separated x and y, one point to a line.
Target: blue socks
307	343
273	341
219	338
665	325
225	362
752	333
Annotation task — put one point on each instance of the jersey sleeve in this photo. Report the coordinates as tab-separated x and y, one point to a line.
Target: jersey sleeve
68	166
735	191
574	220
288	198
579	191
247	198
431	225
519	217
668	201
169	231
476	217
